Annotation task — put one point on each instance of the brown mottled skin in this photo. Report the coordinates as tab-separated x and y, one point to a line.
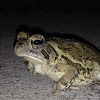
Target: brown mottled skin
68	62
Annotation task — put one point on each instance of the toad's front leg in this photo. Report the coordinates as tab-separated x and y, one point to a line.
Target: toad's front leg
30	67
66	80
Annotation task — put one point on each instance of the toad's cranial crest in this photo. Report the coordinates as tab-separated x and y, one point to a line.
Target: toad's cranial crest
67	61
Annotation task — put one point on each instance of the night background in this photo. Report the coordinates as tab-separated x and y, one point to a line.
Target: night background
66	16
79	18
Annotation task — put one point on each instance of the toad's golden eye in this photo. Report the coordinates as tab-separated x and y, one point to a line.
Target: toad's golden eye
37	42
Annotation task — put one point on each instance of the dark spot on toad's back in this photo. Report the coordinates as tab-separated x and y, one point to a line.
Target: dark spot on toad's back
59	47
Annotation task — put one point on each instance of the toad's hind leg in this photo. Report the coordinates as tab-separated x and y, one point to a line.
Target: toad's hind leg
66	80
75	88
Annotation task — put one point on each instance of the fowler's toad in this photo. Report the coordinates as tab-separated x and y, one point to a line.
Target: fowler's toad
68	62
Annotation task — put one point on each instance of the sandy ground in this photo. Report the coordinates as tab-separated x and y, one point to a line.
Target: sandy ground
15	81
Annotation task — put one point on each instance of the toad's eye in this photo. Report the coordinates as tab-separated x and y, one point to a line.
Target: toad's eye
21	43
37	42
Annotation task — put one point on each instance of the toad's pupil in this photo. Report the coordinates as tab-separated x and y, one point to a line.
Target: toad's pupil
21	43
37	42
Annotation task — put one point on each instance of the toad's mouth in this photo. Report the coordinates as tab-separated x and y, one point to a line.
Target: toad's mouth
27	56
35	58
31	56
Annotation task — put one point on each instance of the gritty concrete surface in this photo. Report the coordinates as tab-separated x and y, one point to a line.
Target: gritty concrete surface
15	81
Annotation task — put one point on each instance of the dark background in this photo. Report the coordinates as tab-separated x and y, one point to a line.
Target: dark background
67	6
78	17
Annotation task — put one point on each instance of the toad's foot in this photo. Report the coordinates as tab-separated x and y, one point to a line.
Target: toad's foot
30	67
